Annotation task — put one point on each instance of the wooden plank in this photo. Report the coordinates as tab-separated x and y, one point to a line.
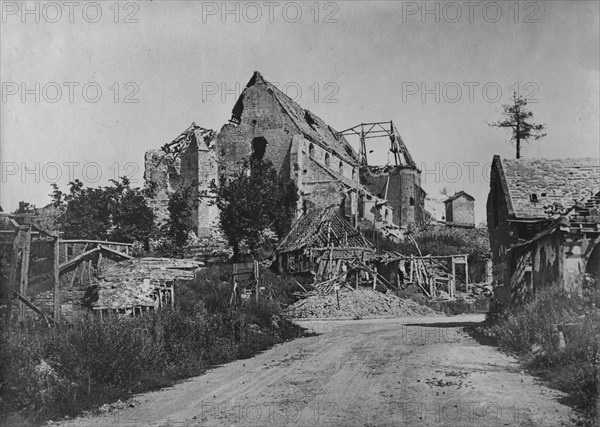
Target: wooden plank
29	304
72	264
113	253
12	274
99	263
56	274
72	281
98	242
24	272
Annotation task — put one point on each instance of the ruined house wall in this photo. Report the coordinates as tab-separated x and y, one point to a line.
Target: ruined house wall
581	255
547	261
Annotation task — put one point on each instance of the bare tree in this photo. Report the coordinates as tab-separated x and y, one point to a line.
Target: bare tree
518	118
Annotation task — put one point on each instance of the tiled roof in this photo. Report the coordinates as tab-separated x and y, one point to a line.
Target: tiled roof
534	185
312	126
317	228
459	194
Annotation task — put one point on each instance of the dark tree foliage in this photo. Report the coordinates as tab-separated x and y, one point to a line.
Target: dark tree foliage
252	201
180	222
519	120
118	212
25	208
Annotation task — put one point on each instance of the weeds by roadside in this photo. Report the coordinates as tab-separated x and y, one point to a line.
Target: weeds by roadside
557	335
50	373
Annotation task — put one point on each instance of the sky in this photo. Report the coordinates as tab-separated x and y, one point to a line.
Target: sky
87	88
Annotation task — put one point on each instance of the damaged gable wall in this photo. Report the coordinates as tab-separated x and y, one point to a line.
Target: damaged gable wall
260	116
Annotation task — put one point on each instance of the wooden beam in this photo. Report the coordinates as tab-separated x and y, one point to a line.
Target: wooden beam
112	253
99	242
29	304
56	271
24	272
12	273
72	264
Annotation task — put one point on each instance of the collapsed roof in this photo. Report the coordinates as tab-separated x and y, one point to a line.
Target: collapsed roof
320	228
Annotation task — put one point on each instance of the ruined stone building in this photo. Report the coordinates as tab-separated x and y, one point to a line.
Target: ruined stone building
544	223
267	124
460	210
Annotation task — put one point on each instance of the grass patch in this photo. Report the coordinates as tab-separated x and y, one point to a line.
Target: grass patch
52	373
531	331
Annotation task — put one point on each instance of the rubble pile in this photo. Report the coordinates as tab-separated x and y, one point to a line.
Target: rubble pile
361	303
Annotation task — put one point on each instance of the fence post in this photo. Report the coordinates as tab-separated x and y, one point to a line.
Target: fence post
256	277
12	274
24	272
56	280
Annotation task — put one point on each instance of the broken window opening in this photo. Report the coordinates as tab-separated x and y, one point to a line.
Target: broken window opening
341	168
311	151
259	146
327	159
309	119
353	173
533	197
412	201
238	108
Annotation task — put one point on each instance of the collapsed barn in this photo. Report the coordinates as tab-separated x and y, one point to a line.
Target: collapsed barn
53	278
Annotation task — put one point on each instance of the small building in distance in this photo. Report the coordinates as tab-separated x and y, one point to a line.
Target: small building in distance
460	210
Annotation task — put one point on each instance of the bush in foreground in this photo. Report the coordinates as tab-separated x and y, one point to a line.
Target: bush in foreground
49	373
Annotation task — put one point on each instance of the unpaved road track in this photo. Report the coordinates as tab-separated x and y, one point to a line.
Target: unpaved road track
383	372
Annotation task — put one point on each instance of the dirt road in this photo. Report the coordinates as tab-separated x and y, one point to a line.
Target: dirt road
411	371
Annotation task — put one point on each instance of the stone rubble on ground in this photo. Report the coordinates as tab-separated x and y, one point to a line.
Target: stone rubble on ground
362	303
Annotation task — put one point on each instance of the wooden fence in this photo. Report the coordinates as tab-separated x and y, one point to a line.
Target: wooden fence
69	259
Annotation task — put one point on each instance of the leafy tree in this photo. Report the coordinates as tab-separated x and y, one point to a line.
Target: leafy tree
253	201
518	119
25	208
132	218
118	212
180	222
